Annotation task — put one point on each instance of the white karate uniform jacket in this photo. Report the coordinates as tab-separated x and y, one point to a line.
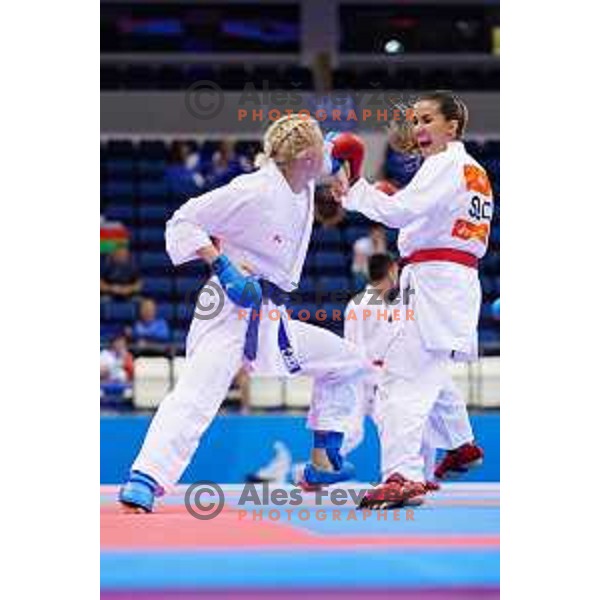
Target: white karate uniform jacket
371	328
262	222
448	204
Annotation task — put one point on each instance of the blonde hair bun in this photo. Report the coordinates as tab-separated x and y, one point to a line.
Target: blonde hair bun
287	137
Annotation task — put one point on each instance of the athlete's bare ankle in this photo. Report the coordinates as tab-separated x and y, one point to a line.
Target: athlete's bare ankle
319	459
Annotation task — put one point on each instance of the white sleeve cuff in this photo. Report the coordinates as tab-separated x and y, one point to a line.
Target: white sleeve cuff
352	200
183	240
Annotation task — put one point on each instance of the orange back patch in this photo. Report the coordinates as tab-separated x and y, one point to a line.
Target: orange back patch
465	230
477	180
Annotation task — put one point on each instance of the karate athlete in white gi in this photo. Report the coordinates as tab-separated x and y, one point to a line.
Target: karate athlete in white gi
367	325
444	217
264	222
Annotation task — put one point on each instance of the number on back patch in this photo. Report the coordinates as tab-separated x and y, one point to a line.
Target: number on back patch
480	209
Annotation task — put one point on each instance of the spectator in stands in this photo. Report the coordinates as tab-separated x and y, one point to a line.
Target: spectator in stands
184	171
374	243
150	330
120	277
226	164
116	367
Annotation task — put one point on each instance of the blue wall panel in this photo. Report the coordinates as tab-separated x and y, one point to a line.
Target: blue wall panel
236	445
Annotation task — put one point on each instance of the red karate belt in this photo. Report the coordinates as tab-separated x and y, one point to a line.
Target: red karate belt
443	254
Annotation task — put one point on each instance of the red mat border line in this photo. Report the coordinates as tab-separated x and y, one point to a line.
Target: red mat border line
168	530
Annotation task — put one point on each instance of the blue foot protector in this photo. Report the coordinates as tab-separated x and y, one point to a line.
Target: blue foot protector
331	442
139	491
315	477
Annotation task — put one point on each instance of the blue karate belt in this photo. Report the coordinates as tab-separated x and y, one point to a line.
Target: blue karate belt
279	298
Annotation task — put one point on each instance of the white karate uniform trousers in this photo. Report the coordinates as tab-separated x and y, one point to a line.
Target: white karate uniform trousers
421	409
214	354
447	426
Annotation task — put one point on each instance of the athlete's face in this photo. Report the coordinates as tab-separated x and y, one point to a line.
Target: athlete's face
310	161
432	130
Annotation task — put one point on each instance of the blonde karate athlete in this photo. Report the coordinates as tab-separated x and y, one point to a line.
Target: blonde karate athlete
264	221
444	217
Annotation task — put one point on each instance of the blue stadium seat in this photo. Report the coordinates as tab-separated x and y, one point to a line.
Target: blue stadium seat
120	168
153	191
179	335
495	234
307	285
119	312
331	261
166	310
354	232
488	336
492	148
492	166
151	169
188	287
107	331
491	263
156	215
334	284
474	148
487	286
326	237
118	189
485	313
120	212
151	238
154	261
159	288
184	313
